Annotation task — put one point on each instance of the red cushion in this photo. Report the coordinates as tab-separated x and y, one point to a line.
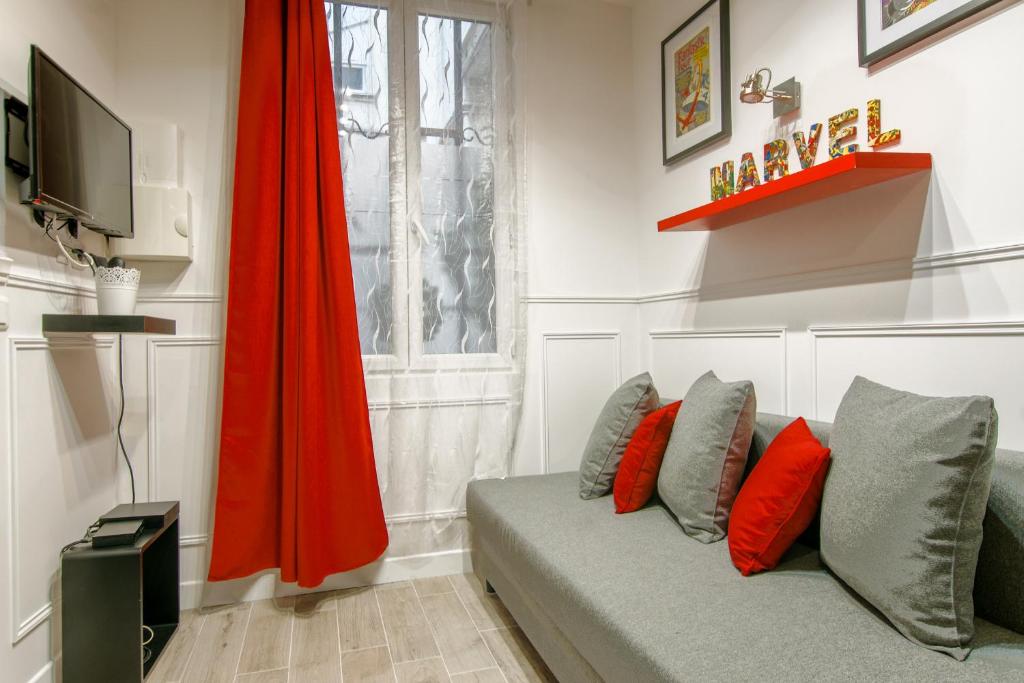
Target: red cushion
779	499
638	472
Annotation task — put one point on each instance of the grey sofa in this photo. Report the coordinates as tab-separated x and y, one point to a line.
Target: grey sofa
631	598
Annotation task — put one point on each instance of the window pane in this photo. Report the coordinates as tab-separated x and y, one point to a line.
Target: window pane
457	181
358	38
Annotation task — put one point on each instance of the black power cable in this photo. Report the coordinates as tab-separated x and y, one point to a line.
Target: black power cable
120	417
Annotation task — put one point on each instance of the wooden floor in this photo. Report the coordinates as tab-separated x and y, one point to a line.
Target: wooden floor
426	630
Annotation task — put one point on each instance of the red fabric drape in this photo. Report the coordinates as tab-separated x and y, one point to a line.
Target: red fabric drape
297	486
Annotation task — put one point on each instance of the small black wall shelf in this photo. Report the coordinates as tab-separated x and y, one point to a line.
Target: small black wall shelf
106	324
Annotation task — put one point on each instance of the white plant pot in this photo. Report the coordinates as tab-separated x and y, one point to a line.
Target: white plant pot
116	290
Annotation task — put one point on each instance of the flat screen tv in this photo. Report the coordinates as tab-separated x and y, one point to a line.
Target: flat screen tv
80	152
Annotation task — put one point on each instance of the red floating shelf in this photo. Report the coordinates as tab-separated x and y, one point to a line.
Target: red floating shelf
844	174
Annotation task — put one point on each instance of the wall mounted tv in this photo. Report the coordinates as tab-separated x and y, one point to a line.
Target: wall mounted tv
80	153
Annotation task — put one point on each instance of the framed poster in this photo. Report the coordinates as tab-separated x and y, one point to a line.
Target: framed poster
887	26
695	91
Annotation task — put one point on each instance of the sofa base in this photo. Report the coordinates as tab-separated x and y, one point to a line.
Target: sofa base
555	649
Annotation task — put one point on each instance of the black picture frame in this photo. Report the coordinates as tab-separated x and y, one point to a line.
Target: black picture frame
945	21
725	87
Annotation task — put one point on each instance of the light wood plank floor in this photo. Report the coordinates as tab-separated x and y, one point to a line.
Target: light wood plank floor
422	631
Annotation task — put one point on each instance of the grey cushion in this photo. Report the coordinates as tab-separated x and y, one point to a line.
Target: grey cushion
903	506
704	460
642	602
622	413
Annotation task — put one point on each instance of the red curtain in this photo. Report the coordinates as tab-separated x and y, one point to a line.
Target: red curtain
297	486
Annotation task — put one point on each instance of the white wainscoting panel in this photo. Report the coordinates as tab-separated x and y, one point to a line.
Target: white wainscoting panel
936	359
62	467
678	357
182	428
580	371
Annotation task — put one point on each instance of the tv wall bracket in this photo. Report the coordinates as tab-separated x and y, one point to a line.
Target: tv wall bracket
16	135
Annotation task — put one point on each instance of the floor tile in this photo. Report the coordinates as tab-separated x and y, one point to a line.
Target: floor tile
268	636
315	656
170	667
276	676
485	676
516	657
407	631
486	610
372	665
215	656
423	671
432	585
359	619
315	602
457	637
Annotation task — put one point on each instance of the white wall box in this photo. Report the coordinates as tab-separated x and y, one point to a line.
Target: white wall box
162	208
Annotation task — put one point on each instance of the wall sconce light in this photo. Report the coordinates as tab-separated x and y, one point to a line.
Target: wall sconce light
784	98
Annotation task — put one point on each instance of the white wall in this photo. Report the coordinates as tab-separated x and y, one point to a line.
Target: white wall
57	400
909	283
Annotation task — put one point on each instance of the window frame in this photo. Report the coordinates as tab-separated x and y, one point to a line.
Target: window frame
408	236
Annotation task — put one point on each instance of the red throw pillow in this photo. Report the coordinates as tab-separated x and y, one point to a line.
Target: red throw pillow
638	472
779	499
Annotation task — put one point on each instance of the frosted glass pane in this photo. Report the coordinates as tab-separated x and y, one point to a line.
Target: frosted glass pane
457	182
358	38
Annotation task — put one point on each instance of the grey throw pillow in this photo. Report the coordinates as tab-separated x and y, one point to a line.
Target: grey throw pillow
706	454
622	413
903	505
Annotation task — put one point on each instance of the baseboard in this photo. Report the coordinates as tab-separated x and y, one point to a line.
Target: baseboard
387	570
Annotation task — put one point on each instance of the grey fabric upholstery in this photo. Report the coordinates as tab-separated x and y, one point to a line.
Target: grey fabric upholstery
903	505
640	601
623	412
999	583
706	455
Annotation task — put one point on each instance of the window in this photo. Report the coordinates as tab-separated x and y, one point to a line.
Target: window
353	79
421	182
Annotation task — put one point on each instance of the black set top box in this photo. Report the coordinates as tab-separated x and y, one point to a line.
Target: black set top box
152	515
123	532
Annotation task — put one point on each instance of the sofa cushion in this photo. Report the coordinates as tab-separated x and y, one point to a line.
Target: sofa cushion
625	408
779	499
638	473
998	590
693	617
901	515
706	454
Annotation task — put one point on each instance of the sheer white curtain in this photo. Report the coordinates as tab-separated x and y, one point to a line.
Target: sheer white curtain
432	149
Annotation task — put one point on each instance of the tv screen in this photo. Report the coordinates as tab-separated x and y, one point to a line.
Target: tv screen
81	152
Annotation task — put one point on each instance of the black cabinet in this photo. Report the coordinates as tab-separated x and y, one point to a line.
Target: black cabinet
108	594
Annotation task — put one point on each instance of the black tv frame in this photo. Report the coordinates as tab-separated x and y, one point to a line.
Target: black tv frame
31	193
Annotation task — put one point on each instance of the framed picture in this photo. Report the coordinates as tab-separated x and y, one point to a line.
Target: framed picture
695	91
887	26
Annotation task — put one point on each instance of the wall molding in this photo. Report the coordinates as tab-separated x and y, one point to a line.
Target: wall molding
779	333
970	257
54	286
180	298
457	402
44	674
49	285
152	406
580	299
21	627
877	270
614	336
940	329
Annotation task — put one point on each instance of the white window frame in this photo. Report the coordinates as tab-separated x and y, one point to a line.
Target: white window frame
407	233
